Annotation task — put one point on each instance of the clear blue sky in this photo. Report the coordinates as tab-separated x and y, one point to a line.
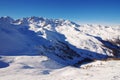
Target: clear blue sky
83	11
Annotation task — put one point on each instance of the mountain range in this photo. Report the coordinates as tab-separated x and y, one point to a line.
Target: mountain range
63	41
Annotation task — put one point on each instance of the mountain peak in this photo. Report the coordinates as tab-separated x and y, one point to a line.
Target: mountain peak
6	20
39	21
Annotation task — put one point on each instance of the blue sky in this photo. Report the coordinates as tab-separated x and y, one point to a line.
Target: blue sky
82	11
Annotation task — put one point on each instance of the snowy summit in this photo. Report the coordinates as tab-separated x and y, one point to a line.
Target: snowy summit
36	43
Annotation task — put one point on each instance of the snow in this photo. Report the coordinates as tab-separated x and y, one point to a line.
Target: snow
43	68
18	34
56	49
86	34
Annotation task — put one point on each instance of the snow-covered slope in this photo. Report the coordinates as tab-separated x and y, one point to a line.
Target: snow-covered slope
42	68
47	49
61	40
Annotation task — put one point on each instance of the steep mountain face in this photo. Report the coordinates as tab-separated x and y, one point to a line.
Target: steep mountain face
61	40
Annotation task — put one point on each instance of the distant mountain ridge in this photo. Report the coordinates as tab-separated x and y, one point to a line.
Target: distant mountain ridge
61	40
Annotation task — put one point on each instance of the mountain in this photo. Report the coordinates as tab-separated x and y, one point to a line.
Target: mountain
61	40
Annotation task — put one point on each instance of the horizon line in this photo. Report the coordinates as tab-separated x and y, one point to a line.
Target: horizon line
80	22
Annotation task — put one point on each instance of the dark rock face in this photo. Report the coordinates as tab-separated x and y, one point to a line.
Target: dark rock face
114	46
